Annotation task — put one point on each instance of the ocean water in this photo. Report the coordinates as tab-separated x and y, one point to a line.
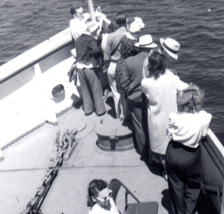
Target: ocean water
197	25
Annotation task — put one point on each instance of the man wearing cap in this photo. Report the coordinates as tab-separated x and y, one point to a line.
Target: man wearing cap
88	65
131	86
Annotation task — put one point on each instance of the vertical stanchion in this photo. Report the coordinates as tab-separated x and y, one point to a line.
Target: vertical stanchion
222	205
91	10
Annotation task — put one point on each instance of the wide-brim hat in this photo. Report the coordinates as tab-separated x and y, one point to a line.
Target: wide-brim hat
146	42
171	47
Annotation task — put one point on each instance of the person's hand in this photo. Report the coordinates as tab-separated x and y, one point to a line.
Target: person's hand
99	15
99	9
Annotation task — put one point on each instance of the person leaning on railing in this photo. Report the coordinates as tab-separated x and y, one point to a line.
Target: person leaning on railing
186	128
160	86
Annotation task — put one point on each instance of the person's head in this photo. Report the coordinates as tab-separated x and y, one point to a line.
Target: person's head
77	11
170	47
121	19
190	100
92	27
98	192
156	64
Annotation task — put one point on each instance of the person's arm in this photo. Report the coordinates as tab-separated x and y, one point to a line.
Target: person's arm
108	49
170	125
145	71
86	17
95	49
206	118
179	84
125	80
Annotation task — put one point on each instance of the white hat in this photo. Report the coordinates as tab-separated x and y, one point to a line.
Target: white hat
136	25
92	26
171	47
146	42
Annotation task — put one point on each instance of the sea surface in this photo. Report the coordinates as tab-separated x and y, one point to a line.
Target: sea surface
197	25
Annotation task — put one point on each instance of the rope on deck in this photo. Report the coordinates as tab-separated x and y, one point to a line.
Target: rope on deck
36	127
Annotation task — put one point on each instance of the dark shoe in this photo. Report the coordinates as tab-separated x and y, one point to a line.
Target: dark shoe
101	114
87	114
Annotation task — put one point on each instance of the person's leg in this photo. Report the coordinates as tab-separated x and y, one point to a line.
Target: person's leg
136	114
192	193
162	159
96	91
86	96
125	108
175	179
115	93
192	186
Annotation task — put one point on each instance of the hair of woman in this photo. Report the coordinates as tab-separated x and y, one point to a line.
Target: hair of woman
156	64
121	19
190	100
95	186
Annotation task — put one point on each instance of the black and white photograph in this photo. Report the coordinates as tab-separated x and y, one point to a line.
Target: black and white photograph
111	107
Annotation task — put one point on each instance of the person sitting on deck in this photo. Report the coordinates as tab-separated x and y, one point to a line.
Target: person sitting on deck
186	129
99	198
88	65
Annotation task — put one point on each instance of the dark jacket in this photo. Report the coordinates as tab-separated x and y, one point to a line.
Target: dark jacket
87	51
131	77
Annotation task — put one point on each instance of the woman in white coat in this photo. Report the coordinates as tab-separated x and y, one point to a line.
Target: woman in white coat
160	86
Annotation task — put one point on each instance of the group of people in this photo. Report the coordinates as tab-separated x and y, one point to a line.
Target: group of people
165	111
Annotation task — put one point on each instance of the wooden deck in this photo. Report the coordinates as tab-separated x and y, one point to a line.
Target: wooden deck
27	161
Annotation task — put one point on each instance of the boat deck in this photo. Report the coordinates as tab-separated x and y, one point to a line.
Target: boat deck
26	163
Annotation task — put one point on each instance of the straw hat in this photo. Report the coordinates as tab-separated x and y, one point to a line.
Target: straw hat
146	42
171	47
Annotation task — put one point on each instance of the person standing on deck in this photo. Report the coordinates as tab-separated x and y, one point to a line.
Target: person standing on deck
111	57
127	49
130	81
186	128
160	87
88	65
